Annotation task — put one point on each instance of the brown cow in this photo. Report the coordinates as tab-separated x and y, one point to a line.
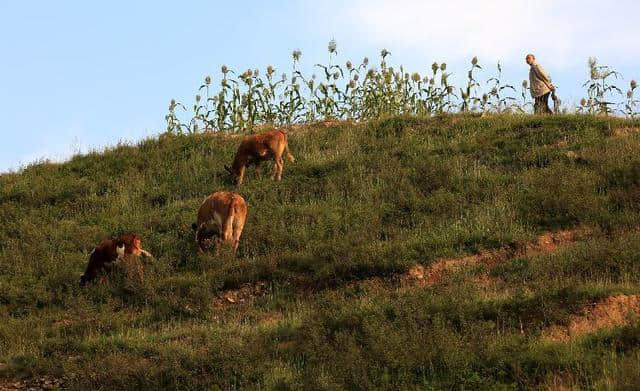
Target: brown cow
221	217
258	148
110	251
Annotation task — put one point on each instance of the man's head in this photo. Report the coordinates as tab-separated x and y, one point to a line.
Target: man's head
530	59
204	236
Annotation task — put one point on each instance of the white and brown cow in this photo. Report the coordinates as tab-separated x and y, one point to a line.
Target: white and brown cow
221	217
110	251
258	148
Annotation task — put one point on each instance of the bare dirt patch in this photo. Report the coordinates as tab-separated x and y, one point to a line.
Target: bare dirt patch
623	132
548	242
245	294
433	274
611	312
271	318
41	383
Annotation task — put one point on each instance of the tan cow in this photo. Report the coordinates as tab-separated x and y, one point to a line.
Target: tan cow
258	148
221	217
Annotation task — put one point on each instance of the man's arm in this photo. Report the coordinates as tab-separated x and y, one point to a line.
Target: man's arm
543	76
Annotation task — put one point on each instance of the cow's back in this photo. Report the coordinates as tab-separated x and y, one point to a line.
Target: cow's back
216	204
260	146
239	206
100	257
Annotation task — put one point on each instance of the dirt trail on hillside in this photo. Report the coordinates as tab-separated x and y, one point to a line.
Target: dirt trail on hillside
608	313
623	132
611	312
546	243
419	275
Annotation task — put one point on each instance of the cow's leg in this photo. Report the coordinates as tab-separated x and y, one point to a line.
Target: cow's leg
218	243
258	169
201	246
241	175
140	270
278	156
280	167
200	240
204	245
275	169
238	225
227	229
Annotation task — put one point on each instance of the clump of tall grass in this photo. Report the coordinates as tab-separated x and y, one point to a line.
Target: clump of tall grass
525	104
467	95
498	100
365	91
600	89
631	102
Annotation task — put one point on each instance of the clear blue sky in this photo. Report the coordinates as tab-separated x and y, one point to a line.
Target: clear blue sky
78	75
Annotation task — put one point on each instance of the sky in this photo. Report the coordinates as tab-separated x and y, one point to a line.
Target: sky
77	76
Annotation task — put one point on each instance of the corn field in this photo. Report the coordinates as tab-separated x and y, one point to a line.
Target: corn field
359	92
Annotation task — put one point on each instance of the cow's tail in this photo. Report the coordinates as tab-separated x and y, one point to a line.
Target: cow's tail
286	148
227	226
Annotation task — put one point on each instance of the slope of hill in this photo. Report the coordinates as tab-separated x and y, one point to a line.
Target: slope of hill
440	253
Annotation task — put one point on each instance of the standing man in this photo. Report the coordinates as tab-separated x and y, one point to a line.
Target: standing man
541	86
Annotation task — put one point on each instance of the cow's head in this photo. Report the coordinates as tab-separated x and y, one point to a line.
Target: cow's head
232	172
129	244
204	236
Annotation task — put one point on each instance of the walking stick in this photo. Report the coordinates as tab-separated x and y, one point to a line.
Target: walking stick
556	102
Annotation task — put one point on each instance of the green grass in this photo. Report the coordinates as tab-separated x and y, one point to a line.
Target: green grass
360	201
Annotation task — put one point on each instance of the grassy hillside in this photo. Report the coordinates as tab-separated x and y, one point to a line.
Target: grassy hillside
323	293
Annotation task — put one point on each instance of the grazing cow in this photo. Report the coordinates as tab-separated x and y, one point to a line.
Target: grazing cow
221	217
258	148
110	251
